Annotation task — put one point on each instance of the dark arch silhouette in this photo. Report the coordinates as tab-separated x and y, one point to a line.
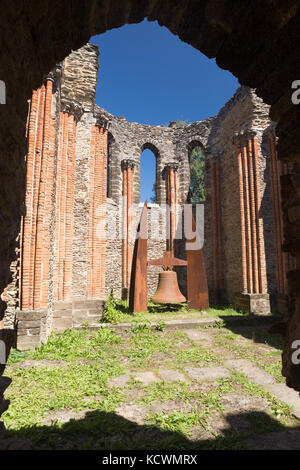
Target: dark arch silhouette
250	39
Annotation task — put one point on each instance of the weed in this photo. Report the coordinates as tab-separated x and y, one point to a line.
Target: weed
110	313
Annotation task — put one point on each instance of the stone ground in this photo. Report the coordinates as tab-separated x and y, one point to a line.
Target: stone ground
211	388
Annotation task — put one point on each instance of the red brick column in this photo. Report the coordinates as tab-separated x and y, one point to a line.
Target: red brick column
41	265
35	241
172	199
27	222
127	235
255	143
97	212
252	238
242	191
64	215
216	221
33	203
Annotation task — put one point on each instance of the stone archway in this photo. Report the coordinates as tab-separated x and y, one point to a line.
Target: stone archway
252	40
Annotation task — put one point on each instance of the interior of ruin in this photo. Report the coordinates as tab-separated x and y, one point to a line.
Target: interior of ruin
50	199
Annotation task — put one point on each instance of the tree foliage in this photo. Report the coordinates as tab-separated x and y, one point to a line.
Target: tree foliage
153	197
197	171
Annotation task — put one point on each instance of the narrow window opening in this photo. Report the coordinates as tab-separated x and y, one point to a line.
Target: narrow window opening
148	176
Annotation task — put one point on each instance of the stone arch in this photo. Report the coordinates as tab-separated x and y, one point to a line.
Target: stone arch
220	29
159	187
195	142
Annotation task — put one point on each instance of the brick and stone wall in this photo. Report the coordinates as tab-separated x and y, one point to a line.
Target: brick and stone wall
251	39
83	203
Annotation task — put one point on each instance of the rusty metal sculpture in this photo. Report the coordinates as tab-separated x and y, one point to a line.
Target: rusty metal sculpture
168	291
138	281
196	273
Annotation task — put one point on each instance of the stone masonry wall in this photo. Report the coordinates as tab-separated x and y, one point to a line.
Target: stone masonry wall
250	39
127	140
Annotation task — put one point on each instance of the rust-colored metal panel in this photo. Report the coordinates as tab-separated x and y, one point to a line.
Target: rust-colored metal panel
196	273
196	280
167	261
138	282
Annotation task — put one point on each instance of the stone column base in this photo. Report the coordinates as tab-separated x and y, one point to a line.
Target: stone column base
31	325
257	304
30	328
67	314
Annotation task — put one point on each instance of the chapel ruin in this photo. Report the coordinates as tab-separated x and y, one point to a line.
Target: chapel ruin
77	234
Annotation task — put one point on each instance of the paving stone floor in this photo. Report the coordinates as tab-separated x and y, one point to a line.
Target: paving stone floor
207	386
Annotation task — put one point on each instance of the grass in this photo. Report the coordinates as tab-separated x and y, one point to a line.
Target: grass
117	311
75	368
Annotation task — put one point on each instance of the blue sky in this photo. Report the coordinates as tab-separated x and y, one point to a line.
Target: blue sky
150	76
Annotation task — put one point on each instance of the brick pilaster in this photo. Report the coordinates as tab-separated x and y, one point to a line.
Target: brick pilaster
171	177
262	275
97	212
127	235
42	256
252	240
35	243
242	214
71	112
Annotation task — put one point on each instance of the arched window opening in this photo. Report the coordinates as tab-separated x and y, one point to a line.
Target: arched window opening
197	174
148	176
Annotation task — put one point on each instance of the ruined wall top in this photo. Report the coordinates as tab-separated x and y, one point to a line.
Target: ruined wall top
79	75
127	140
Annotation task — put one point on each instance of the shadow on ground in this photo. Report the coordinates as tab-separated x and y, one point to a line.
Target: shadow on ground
254	327
100	430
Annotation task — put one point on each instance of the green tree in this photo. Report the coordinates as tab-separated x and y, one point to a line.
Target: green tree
153	197
197	171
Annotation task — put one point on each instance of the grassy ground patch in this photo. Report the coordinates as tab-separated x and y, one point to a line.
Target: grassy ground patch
62	396
117	311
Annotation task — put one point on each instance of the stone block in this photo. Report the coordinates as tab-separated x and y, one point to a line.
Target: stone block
27	342
146	378
257	304
88	304
62	306
62	324
203	374
23	315
34	332
29	324
62	314
255	374
120	381
171	375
